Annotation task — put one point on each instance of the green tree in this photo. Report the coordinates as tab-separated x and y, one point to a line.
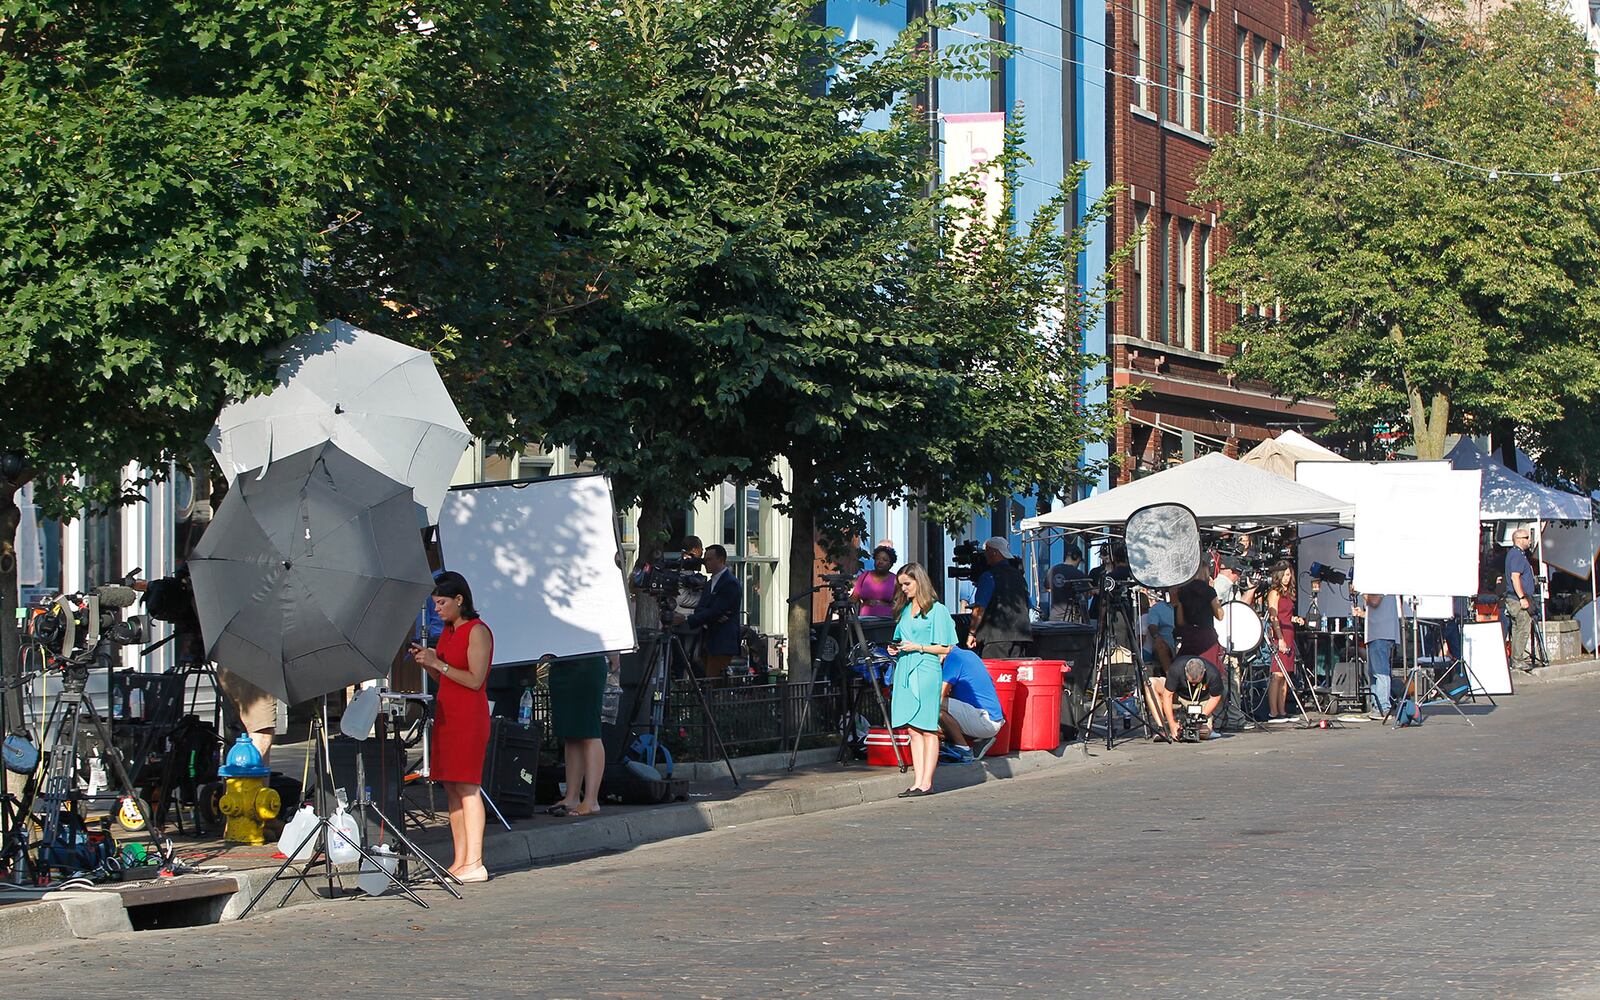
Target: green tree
1402	286
189	184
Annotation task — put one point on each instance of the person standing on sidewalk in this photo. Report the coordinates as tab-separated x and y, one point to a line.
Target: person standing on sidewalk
924	634
1521	596
1383	635
460	665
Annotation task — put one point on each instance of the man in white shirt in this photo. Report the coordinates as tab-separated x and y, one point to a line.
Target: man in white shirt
1383	635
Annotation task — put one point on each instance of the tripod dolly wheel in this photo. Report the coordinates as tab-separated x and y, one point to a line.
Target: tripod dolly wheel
133	814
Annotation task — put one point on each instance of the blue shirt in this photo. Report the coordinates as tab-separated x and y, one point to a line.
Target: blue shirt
1162	619
985	590
970	682
1517	562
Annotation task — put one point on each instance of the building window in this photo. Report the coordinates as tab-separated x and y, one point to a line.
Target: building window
1141	262
1243	76
1202	78
1136	49
1258	73
1202	318
1181	83
746	531
1181	303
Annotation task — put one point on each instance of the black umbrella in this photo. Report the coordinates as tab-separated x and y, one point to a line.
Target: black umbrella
310	575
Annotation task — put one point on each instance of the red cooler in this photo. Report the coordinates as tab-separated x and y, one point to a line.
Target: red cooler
880	753
1036	707
1003	674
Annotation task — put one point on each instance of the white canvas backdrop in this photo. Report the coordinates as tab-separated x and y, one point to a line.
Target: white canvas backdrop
541	558
1416	524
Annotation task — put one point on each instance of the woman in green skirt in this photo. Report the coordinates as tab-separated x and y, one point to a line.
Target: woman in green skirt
577	688
924	633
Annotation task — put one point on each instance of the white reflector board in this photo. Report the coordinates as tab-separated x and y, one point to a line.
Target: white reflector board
541	559
1483	646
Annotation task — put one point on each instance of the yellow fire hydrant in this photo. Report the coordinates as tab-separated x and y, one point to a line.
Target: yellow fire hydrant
249	801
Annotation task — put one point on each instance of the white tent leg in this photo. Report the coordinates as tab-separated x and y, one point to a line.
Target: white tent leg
1544	593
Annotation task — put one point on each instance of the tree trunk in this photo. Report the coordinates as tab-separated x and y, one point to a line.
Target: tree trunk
652	527
1430	420
802	571
10	639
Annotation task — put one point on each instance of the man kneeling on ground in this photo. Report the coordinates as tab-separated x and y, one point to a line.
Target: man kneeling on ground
970	708
1191	680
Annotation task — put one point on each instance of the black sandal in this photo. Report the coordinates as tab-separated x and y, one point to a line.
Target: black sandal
558	810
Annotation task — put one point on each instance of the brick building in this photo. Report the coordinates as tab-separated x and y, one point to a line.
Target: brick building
1194	59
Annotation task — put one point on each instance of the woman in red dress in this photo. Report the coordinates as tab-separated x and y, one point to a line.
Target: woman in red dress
1280	612
460	665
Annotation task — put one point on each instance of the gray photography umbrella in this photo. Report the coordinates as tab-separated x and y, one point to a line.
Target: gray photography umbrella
310	575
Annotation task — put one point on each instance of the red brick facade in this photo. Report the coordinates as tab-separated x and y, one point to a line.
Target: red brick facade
1167	328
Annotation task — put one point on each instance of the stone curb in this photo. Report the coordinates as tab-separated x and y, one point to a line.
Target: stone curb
82	915
1559	671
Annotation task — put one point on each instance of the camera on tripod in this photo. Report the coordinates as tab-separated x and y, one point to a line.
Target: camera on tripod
672	573
76	630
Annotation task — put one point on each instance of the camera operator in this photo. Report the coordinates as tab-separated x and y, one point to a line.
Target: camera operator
693	560
1000	623
1190	681
1231	583
1068	586
716	613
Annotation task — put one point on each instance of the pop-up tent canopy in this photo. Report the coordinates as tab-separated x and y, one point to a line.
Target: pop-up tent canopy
1510	496
1221	492
1280	454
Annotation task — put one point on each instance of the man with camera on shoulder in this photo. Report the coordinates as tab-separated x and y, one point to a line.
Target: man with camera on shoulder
1189	698
1001	626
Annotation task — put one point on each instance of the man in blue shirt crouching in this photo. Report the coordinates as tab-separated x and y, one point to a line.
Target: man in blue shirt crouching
970	708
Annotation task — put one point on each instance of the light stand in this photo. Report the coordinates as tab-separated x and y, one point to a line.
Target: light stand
1422	696
843	616
319	835
1116	604
436	873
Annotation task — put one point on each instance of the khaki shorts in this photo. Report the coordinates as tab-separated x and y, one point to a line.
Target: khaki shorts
258	710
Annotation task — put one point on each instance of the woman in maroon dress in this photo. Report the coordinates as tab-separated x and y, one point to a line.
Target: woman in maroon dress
461	717
1280	614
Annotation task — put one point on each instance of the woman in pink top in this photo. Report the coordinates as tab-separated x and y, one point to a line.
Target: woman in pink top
874	589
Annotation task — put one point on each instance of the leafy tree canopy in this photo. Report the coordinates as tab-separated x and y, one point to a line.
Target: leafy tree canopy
1399	285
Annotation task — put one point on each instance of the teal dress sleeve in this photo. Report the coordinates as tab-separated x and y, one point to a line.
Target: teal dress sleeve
944	626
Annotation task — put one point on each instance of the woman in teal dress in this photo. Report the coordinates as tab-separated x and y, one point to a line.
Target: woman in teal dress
924	633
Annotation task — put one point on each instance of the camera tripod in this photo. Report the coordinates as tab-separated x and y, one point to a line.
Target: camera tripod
61	744
1117	619
844	619
669	651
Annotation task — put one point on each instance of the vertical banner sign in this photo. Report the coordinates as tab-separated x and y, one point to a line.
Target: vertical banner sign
971	142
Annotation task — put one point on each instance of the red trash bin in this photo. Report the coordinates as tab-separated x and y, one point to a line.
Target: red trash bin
1005	686
1036	707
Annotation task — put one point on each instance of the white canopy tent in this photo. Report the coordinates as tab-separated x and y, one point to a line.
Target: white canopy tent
1511	496
1280	454
1222	492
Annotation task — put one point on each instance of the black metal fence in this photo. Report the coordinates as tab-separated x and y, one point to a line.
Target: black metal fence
752	718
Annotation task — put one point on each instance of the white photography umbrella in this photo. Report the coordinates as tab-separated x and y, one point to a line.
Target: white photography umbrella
381	402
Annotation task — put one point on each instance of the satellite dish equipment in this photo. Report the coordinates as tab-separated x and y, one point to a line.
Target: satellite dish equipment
1163	543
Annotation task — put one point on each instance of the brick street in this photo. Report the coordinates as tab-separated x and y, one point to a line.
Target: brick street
1440	862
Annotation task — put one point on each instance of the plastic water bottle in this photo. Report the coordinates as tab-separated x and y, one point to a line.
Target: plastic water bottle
116	700
344	837
525	709
371	879
297	830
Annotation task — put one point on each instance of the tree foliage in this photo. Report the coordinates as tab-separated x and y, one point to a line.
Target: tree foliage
1401	286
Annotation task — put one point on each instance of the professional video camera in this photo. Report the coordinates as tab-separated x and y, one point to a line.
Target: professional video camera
77	630
1326	574
969	562
1192	722
670	574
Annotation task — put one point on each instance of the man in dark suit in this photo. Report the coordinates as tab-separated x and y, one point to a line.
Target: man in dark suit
717	614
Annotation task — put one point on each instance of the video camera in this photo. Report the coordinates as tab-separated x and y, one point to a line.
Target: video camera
1192	722
78	630
969	562
670	574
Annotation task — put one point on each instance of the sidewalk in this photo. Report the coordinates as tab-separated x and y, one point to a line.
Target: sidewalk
766	791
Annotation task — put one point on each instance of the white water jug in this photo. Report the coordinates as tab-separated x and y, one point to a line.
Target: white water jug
344	837
297	829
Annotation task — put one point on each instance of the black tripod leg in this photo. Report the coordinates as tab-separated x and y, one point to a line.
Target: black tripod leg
705	707
120	773
805	716
859	644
